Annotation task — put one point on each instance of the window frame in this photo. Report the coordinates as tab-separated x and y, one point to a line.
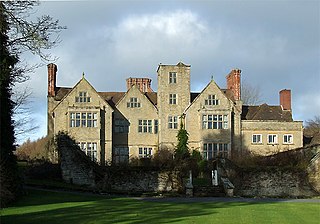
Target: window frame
83	97
133	102
215	121
121	154
83	119
172	77
121	125
145	126
156	126
212	150
173	98
274	139
90	149
254	140
211	100
145	152
172	122
287	142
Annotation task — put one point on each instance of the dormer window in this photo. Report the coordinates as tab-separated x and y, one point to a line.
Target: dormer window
211	100
133	102
83	98
172	77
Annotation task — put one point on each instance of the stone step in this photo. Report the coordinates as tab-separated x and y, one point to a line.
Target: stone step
208	191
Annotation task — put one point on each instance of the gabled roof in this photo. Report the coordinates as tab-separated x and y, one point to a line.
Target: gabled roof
63	92
153	97
265	112
229	94
195	96
111	97
114	97
261	112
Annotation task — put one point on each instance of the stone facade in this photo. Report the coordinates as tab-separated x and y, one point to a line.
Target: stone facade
267	128
117	126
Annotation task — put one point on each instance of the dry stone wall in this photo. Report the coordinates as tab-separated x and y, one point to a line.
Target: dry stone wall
78	169
277	176
274	183
138	180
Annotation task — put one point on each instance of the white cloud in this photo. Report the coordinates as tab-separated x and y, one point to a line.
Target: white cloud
170	36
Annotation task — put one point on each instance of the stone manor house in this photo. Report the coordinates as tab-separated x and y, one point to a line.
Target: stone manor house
117	126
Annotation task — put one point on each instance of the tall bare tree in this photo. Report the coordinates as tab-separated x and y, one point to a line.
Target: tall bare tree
250	95
312	130
18	34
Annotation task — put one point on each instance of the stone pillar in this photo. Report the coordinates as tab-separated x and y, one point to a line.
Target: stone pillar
189	185
214	177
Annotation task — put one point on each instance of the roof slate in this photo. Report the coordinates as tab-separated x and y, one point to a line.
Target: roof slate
265	112
61	92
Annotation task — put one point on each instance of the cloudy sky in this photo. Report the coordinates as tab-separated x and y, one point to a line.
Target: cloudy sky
276	44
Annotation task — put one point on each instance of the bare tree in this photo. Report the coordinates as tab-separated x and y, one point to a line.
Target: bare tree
250	95
28	36
23	122
312	130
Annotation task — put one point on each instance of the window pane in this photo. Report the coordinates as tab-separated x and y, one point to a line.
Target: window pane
140	151
210	155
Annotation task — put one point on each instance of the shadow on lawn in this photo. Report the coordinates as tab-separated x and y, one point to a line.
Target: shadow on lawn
66	208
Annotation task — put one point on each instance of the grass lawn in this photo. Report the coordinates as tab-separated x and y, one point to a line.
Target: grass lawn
50	207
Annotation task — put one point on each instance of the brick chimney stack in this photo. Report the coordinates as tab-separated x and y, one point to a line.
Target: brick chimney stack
52	77
285	99
234	83
144	84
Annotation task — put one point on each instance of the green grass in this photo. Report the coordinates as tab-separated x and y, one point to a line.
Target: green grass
50	207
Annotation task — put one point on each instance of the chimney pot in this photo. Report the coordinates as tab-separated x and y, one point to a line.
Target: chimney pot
52	76
285	99
144	84
234	83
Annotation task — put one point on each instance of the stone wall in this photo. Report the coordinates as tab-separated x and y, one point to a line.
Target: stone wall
294	173
78	169
314	169
139	180
274	183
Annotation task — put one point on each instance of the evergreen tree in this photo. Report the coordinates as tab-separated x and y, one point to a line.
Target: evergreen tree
182	150
9	184
17	35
